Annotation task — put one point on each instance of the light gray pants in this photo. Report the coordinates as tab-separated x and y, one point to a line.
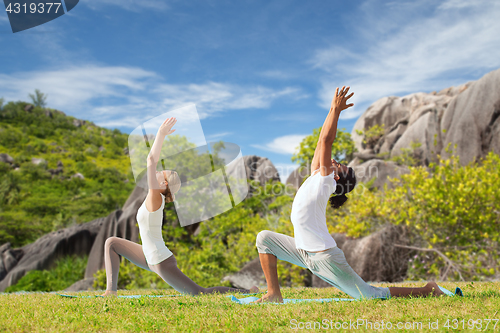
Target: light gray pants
167	269
329	265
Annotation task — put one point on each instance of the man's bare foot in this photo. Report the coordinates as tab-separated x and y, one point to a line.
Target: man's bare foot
109	293
254	290
434	289
270	298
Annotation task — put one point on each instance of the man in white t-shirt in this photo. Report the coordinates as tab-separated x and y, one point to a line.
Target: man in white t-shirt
313	247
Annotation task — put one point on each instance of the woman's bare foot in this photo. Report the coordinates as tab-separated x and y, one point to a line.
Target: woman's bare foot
109	293
254	290
433	289
270	298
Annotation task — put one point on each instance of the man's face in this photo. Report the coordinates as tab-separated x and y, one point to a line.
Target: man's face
339	169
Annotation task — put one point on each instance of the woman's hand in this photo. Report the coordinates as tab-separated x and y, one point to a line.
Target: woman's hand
340	99
166	128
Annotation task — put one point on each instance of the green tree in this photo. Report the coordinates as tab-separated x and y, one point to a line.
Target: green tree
1	104
39	99
342	148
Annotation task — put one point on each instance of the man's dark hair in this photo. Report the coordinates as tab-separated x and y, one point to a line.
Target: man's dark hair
345	185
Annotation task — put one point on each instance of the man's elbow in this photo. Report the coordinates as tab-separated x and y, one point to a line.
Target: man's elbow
325	142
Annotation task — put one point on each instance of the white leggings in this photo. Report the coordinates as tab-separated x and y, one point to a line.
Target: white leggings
329	265
167	269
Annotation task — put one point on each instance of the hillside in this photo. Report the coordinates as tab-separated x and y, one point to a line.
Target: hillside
57	171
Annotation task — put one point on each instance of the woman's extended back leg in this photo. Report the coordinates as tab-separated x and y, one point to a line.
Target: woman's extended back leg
172	275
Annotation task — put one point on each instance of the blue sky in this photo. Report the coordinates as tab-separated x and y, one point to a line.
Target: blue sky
261	73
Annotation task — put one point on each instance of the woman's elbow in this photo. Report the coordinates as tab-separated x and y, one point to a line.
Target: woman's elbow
150	159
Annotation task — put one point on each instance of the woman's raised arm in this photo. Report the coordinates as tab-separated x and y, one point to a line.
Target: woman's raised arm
153	199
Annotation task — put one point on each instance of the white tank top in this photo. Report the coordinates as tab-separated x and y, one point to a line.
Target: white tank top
309	213
153	246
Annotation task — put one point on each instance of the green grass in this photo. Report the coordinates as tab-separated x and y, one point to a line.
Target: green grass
49	312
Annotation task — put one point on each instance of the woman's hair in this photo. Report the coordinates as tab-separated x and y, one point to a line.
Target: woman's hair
345	185
174	184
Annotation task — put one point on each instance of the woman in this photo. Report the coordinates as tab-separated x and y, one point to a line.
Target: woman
313	247
153	255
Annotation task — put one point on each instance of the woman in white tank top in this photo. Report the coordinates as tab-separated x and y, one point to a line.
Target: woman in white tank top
313	247
153	254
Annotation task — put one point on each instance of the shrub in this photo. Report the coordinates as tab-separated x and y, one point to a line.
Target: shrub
67	271
450	210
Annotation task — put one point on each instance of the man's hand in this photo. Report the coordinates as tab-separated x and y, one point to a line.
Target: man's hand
166	128
340	99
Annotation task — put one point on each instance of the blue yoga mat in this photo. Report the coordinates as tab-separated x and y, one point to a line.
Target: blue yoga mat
458	291
249	300
127	296
121	296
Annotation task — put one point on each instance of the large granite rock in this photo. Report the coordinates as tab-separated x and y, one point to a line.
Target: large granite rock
260	169
472	120
374	257
465	116
41	254
379	170
250	275
297	176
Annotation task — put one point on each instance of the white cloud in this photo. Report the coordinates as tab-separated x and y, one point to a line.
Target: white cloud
213	97
454	4
419	54
130	5
4	19
286	145
217	136
277	74
73	86
115	96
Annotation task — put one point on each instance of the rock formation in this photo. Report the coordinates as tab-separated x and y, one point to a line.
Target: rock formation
15	263
297	176
260	169
466	116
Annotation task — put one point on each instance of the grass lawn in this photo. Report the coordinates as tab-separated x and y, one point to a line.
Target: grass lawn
41	312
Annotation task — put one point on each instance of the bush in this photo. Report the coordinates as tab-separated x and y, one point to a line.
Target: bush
371	135
452	212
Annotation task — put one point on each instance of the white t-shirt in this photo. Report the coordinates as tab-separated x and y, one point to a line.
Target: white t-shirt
309	213
153	246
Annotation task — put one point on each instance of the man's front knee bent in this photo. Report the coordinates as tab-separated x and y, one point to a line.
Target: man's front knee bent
261	240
